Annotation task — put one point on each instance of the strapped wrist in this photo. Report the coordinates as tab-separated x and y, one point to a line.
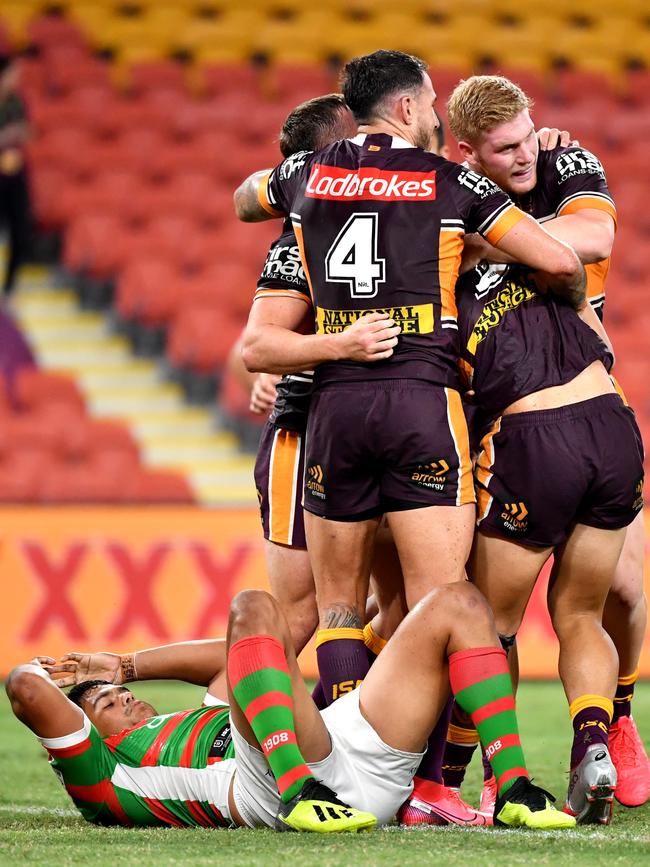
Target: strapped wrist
128	669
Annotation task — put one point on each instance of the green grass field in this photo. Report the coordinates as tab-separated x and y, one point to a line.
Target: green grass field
38	824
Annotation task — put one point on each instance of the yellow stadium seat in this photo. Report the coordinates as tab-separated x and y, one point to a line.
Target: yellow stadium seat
15	14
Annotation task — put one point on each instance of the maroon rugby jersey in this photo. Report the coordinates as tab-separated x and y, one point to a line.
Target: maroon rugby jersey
514	342
380	225
568	180
284	276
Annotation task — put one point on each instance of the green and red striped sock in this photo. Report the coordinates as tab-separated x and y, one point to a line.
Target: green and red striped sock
481	683
259	678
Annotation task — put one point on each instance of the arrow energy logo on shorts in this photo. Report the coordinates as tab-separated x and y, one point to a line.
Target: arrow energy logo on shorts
513	516
432	475
314	483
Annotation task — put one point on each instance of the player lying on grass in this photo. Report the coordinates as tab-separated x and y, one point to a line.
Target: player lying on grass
122	763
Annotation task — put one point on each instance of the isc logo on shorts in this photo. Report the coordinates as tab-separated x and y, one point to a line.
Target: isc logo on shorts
330	182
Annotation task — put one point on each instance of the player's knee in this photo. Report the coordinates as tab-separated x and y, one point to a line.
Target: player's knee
253	609
462	599
627	589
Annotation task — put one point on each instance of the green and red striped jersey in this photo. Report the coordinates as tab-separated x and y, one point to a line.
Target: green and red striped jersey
173	769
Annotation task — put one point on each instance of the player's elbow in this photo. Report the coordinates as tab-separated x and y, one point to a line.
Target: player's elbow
240	201
566	265
23	687
251	353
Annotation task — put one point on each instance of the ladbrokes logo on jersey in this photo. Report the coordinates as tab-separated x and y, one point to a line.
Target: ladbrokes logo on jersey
432	475
331	182
314	482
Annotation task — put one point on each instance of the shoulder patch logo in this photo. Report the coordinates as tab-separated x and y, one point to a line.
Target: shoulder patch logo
578	162
292	165
479	184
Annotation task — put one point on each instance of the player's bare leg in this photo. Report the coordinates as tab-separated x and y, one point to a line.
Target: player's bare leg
341	555
273	711
433	545
625	619
292	583
387	586
580	581
450	636
506	573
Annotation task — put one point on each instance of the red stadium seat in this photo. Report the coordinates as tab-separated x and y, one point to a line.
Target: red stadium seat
199	339
83	483
35	387
22	474
157	75
48	187
224	78
54	31
147	291
96	244
158	486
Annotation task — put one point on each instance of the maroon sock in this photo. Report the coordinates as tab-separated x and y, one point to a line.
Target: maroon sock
590	726
623	697
431	765
319	696
342	661
487	769
456	759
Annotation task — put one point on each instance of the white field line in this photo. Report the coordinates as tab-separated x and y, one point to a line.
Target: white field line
26	810
573	834
582	834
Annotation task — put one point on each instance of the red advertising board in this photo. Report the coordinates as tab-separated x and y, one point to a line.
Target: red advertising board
121	579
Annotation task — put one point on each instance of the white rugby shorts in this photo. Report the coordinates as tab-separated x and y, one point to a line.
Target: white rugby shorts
364	772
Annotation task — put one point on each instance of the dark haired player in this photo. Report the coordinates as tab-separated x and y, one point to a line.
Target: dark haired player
561	469
380	223
272	759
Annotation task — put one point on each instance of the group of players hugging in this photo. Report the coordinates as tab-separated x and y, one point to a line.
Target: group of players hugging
399	282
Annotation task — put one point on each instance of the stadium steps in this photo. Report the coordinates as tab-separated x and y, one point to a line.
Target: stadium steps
170	433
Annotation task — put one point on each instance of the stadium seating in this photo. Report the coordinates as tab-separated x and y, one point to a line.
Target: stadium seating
136	154
51	451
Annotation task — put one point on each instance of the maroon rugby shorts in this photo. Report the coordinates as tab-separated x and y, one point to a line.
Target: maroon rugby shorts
385	446
540	473
279	469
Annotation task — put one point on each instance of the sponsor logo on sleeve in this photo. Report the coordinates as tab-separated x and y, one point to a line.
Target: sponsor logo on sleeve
339	184
578	162
478	184
283	262
637	505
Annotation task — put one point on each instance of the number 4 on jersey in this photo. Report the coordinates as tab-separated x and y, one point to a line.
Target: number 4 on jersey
353	259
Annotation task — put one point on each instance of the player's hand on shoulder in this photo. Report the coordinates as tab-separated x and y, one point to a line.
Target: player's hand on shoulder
263	393
549	138
373	337
75	668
